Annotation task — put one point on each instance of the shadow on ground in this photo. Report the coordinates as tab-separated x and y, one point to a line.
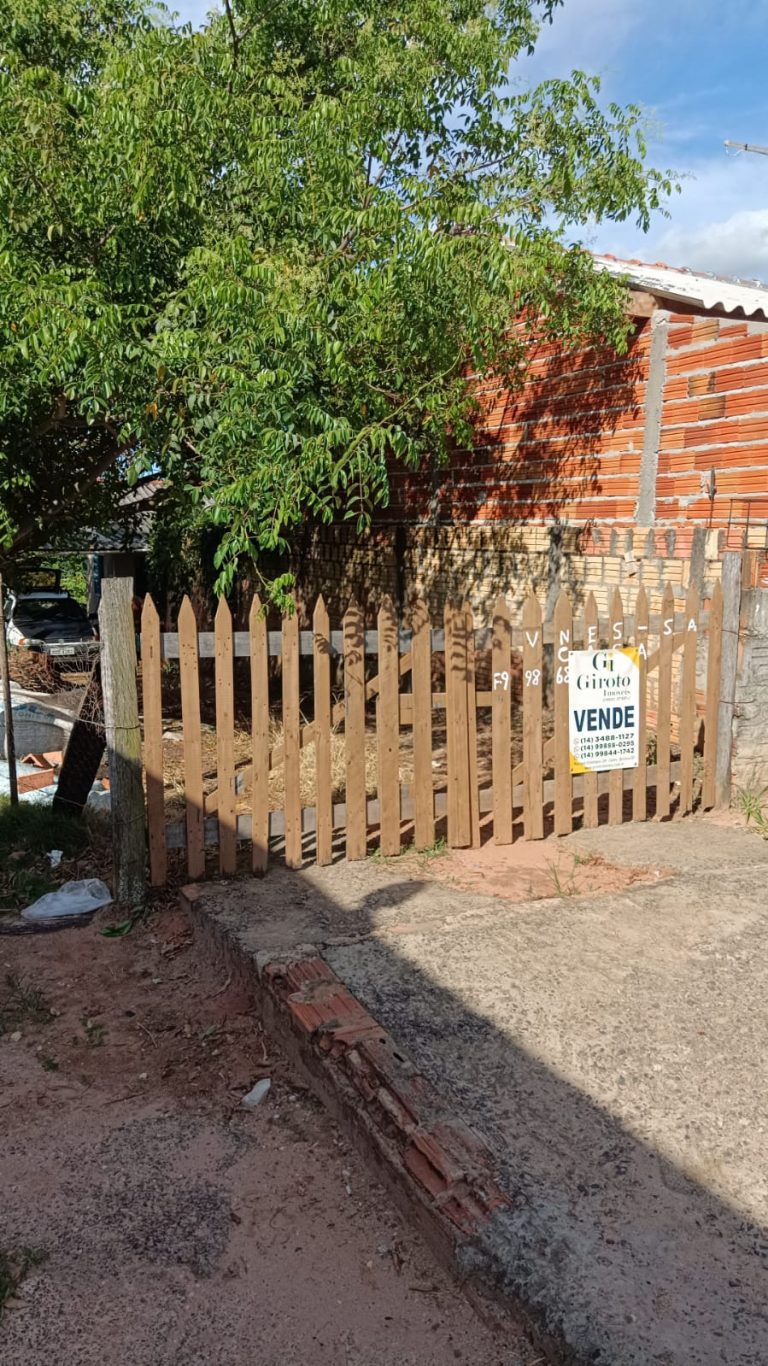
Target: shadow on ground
609	1051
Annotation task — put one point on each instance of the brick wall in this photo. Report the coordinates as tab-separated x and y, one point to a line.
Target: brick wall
572	444
715	418
566	447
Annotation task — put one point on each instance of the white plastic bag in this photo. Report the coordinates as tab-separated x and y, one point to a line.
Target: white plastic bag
69	901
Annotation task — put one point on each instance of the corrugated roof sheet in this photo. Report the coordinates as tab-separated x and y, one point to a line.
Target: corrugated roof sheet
711	293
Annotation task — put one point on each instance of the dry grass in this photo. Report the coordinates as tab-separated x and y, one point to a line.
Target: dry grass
173	768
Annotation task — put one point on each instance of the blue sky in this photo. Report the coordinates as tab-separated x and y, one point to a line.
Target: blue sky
699	68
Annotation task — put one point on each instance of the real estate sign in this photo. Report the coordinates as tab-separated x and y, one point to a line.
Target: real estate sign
604	709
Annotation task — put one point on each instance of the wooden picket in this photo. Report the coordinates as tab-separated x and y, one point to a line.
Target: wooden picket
225	740
501	723
383	717
533	676
664	722
421	683
639	784
388	730
590	641
151	685
616	776
322	698
193	754
688	700
354	731
257	626
292	741
474	794
563	642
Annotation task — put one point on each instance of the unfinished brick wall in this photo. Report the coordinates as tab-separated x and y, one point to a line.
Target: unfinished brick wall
567	446
715	422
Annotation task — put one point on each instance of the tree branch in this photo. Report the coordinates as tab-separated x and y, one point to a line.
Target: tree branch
232	33
27	529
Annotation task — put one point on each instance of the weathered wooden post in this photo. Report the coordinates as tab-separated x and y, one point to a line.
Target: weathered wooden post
10	748
121	717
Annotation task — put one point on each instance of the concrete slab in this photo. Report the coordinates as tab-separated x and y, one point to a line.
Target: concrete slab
611	1053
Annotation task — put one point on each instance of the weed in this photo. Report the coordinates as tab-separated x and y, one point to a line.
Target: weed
14	1266
22	1004
563	889
435	850
376	856
25	885
585	860
94	1032
48	1063
751	805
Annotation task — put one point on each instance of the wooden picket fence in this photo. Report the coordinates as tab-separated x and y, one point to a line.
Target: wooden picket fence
400	698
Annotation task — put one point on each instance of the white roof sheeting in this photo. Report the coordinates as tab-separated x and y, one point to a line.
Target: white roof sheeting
711	293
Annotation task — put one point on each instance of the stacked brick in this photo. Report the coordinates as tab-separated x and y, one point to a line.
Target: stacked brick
715	423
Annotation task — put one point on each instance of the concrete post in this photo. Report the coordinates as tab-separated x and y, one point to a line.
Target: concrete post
729	663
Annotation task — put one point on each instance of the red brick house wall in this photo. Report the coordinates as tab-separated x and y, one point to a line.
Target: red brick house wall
600	470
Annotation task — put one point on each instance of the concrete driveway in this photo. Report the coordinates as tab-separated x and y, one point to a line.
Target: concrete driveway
611	1051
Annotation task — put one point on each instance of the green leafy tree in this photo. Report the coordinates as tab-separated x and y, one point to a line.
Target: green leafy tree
262	258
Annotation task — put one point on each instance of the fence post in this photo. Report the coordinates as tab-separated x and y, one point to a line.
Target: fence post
121	716
10	749
728	669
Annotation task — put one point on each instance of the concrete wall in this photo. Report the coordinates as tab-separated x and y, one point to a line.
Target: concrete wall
750	727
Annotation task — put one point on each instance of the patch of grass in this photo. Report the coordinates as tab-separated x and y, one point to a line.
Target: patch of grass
36	829
751	803
435	850
14	1266
22	1003
27	832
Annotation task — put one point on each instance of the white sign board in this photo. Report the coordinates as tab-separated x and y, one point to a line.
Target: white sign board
603	709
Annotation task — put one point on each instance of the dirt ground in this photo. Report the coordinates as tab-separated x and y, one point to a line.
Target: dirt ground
527	870
149	1219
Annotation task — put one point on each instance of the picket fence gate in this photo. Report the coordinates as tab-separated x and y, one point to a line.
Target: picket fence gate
401	697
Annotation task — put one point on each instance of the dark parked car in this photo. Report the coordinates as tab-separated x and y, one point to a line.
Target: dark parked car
51	624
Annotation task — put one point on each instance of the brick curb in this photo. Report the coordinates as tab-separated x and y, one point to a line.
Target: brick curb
439	1172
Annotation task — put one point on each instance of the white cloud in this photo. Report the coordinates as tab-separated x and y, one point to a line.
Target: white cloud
586	35
719	222
736	246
